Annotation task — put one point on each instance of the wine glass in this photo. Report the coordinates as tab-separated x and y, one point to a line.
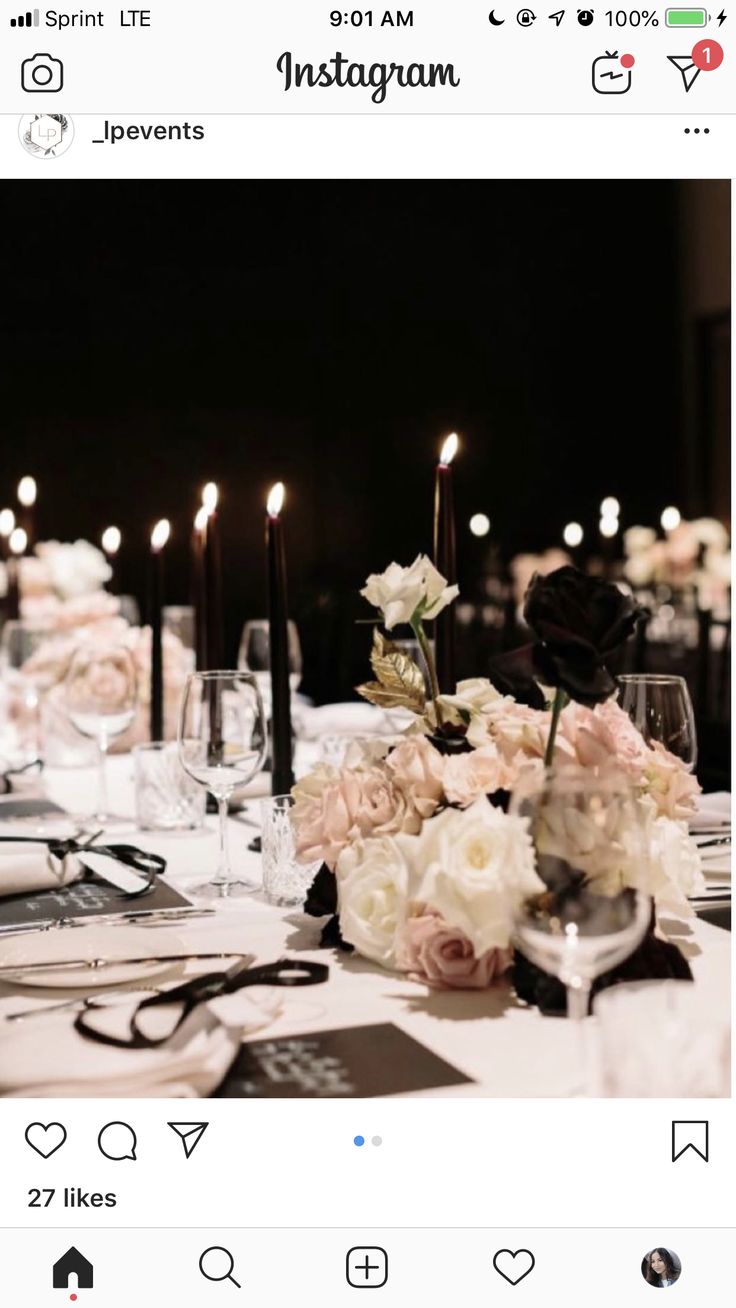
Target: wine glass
254	654
661	709
222	745
591	855
100	697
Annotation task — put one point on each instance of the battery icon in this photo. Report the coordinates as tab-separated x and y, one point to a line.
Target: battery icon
686	17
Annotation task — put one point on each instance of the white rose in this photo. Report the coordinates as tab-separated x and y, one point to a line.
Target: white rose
372	893
638	539
74	569
475	868
710	532
402	594
674	871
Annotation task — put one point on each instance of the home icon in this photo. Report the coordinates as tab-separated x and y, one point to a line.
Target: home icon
73	1263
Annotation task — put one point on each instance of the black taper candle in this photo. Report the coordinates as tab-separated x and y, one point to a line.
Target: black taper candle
159	537
199	590
213	581
282	776
444	561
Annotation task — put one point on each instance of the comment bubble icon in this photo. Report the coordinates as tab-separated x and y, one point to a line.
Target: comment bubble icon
118	1142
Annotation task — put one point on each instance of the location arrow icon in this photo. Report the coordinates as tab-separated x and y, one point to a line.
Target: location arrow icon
190	1134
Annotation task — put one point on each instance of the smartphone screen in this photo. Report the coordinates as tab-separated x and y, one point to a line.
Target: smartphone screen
365	655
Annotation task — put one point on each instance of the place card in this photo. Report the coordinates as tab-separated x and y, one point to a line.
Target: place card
87	898
351	1062
13	808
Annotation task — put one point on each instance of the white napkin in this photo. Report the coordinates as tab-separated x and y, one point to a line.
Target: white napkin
45	1057
343	720
656	1039
26	868
714	810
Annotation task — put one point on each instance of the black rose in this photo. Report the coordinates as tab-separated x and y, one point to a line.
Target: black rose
578	621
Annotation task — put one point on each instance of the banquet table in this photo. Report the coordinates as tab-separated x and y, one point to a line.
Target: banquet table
506	1048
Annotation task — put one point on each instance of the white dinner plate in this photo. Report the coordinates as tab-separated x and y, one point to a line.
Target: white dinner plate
113	944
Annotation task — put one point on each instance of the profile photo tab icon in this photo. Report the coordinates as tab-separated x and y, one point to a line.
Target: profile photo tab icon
661	1268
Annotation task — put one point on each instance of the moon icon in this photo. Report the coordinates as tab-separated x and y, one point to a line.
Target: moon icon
497	22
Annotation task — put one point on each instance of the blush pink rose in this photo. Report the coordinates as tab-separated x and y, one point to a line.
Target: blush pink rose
332	809
468	776
417	769
442	957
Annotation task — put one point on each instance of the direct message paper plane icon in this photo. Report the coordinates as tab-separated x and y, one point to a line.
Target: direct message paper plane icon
190	1134
688	70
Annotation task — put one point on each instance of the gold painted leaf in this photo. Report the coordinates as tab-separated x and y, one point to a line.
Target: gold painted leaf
400	683
383	697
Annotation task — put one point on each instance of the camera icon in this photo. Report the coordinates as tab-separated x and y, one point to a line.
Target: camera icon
42	73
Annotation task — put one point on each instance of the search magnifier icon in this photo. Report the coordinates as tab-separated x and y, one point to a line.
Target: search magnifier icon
218	1264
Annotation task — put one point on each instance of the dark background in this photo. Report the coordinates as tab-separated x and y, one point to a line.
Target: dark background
157	335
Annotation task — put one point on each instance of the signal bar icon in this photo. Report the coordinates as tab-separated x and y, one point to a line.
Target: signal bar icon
29	19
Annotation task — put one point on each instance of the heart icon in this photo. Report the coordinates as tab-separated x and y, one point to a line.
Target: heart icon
513	1266
45	1139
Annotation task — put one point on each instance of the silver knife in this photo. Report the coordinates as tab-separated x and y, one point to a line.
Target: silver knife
147	917
98	964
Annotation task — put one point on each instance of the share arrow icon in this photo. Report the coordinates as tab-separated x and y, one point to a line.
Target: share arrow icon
190	1134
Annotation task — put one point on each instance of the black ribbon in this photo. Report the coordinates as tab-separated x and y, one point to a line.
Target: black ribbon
150	865
200	990
6	777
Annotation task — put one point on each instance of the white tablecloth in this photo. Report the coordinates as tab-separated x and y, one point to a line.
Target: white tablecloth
507	1049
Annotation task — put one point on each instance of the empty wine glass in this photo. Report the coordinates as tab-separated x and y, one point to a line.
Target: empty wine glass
100	700
661	709
591	855
222	745
254	655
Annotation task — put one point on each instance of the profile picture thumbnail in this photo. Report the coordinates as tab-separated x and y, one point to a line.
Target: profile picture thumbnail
661	1268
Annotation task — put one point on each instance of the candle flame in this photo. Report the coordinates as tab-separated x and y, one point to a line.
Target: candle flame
18	541
111	539
7	521
275	501
200	518
160	534
671	518
210	496
449	449
27	491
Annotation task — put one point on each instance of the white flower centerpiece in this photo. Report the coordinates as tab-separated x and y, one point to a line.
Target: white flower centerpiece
423	869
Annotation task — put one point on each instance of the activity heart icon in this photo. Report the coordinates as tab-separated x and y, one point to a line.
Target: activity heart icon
513	1266
45	1139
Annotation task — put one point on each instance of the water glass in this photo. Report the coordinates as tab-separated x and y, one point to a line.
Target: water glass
662	711
166	799
254	655
179	619
285	881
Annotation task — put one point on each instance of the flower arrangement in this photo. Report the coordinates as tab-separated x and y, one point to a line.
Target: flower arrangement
422	867
693	554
